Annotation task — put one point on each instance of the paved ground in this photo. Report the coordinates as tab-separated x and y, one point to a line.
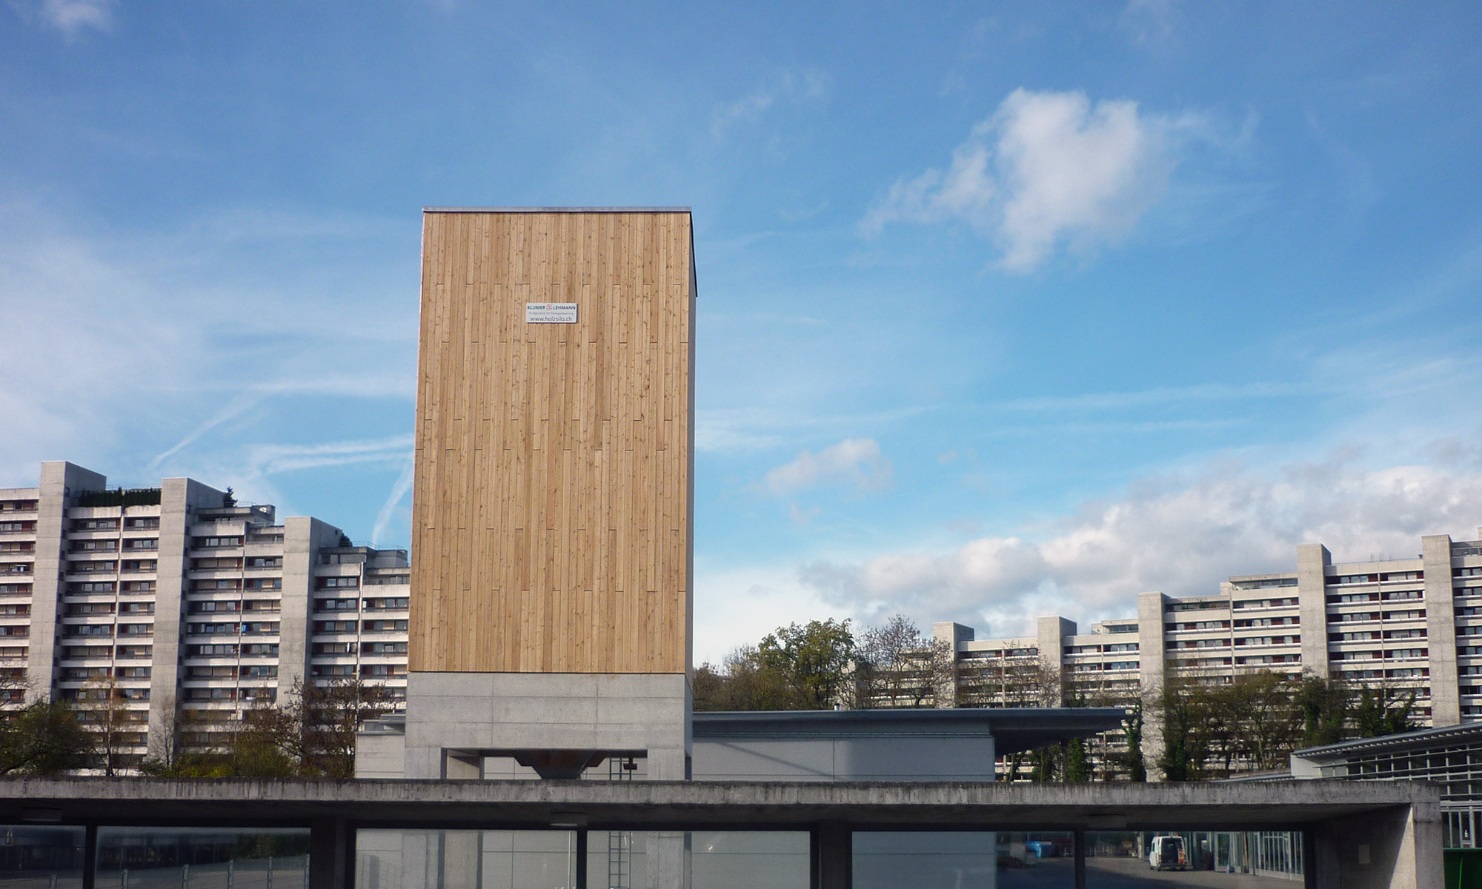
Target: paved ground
1129	873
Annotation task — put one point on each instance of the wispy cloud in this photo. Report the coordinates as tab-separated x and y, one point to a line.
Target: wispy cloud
393	500
1048	170
791	88
1150	22
271	459
854	462
70	17
203	341
1162	395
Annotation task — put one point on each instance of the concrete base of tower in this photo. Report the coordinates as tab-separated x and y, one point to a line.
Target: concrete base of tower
555	725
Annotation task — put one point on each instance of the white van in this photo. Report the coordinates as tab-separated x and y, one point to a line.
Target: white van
1167	853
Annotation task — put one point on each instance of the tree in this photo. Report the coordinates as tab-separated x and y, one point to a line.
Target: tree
325	720
1011	682
43	738
102	705
743	682
1077	766
1325	704
899	666
312	735
815	661
1383	710
1132	760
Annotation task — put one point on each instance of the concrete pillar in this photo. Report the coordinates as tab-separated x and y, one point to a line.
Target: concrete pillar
833	856
1152	670
331	854
61	483
953	636
180	498
1440	629
1388	849
1051	632
303	538
1313	560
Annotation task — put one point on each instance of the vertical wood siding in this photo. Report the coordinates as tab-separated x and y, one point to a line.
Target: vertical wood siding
552	503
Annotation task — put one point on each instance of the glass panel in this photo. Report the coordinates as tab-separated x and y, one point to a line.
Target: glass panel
963	860
1165	858
203	857
713	859
465	859
37	857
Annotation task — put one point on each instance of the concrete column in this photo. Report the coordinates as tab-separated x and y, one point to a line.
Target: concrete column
180	498
1051	632
1440	629
1313	560
833	856
303	538
1152	670
331	854
61	483
954	636
1387	849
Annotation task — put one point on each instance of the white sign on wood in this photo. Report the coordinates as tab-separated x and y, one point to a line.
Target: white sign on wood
550	313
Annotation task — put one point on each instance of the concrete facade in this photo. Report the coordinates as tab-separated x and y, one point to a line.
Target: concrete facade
164	612
470	725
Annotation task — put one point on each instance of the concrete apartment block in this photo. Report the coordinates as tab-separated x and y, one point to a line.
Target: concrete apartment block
157	608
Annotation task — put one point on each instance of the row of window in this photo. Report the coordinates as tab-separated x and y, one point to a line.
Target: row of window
252	649
334	649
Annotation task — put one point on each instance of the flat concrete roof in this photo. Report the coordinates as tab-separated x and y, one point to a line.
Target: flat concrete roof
556	210
704	804
1013	728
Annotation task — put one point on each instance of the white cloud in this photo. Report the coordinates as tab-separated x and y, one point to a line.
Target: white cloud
71	16
854	461
788	88
1046	170
738	606
1178	535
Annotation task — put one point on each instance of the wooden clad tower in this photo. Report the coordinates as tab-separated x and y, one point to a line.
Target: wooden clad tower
552	506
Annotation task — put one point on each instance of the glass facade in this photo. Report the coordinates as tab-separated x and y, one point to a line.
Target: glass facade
34	857
183	857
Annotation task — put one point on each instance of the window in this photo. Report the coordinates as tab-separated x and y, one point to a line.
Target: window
211	650
215	542
333	583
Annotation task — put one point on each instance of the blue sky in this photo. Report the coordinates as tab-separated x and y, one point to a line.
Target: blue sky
1004	310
